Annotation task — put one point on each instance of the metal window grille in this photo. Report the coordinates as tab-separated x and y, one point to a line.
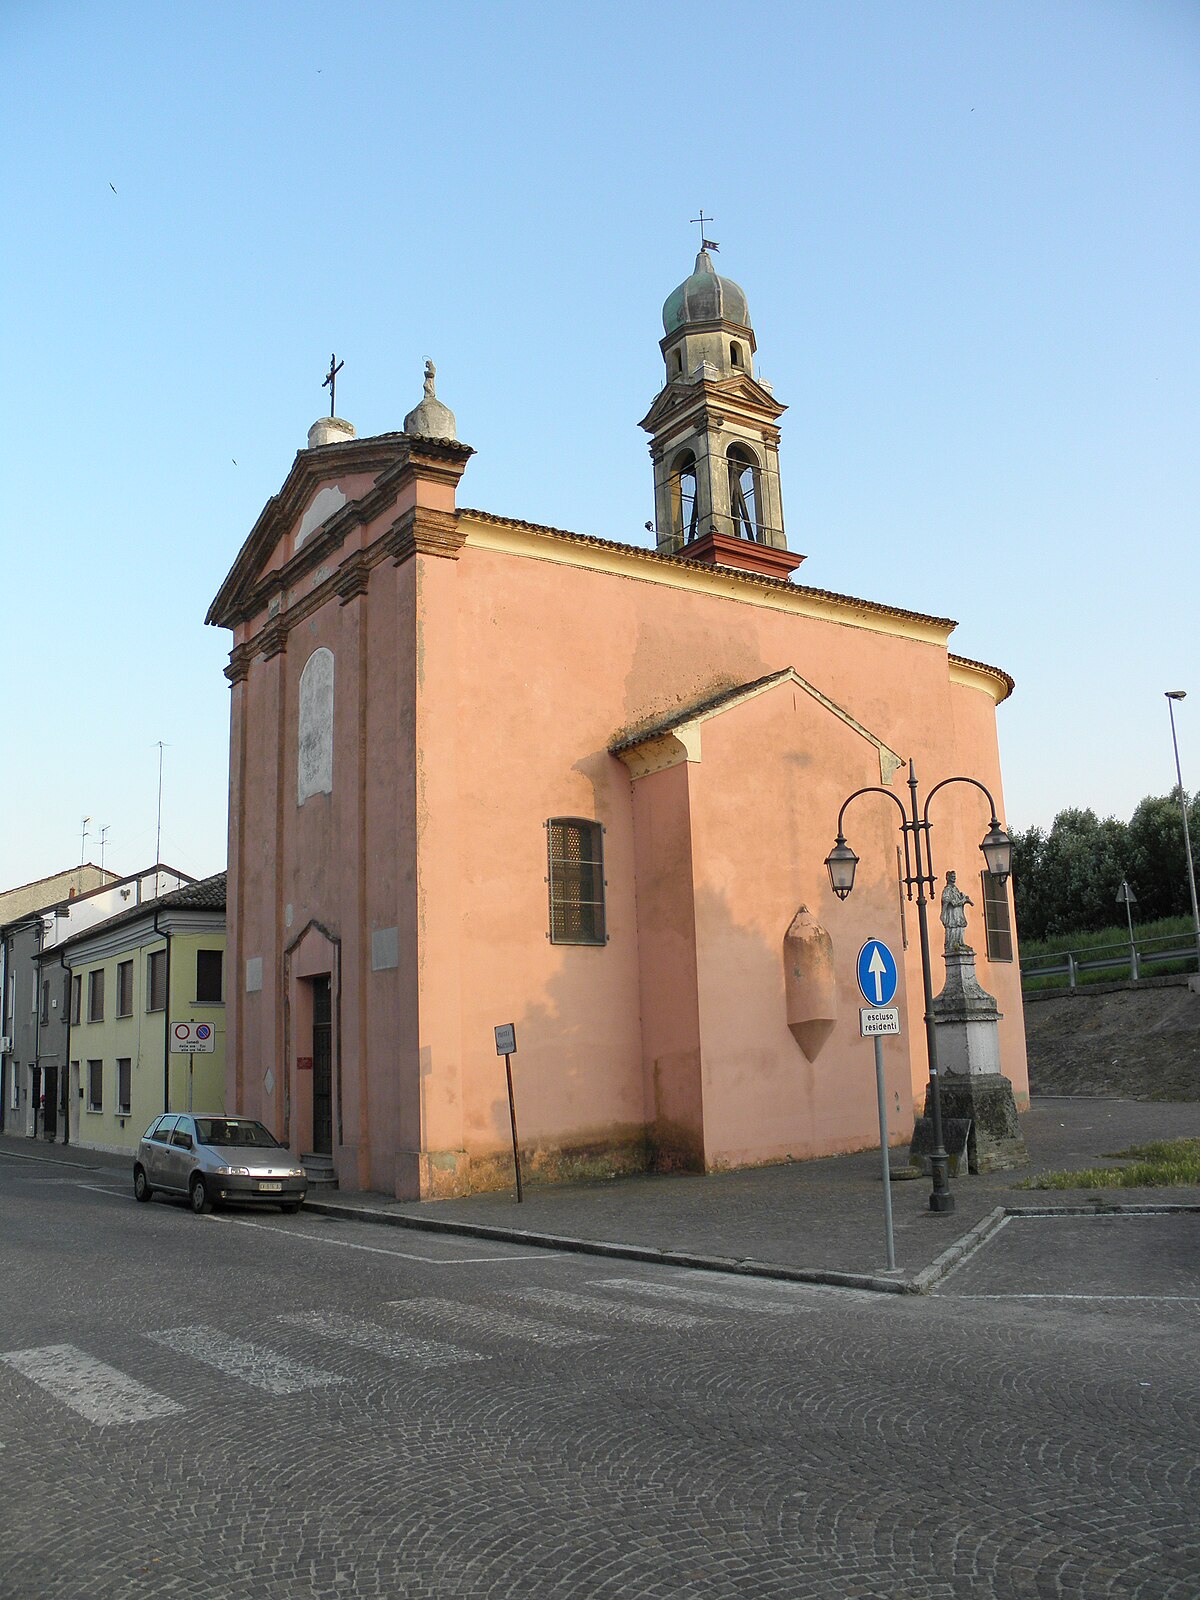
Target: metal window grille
576	856
124	1084
997	923
124	988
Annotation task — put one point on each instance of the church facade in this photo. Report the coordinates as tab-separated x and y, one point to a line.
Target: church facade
485	771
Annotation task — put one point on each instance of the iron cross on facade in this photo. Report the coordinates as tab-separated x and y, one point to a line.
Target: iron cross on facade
705	244
330	383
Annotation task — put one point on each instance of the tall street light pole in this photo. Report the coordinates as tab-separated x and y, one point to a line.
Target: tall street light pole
1173	695
918	874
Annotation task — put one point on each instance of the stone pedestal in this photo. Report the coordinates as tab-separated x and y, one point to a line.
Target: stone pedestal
973	1087
994	1142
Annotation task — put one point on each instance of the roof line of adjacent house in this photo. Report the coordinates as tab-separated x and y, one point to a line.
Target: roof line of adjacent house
208	894
114	882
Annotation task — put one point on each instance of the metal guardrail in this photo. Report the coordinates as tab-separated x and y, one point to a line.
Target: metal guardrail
1128	956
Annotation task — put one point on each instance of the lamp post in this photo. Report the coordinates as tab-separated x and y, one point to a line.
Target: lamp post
918	874
1173	695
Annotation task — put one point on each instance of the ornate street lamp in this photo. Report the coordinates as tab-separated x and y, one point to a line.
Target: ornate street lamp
918	874
1173	695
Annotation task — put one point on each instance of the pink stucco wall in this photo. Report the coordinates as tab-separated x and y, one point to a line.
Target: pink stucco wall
477	695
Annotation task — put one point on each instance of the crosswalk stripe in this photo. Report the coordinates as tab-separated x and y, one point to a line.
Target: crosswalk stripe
93	1389
483	1320
701	1294
237	1358
381	1341
611	1310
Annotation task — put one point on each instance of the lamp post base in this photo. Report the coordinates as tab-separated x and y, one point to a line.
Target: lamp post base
941	1201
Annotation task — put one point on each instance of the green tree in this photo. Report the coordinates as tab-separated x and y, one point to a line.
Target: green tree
1158	860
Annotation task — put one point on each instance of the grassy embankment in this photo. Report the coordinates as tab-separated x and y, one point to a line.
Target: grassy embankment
1086	944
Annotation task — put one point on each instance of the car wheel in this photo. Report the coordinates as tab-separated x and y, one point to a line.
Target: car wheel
290	1207
141	1186
199	1195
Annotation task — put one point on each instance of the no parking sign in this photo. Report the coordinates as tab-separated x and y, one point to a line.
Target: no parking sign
193	1038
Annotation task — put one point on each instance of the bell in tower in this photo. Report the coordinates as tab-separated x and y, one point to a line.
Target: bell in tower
714	439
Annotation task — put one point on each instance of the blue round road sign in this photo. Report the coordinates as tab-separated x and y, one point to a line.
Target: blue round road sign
877	973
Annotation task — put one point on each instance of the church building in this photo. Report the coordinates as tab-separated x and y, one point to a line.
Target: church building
485	772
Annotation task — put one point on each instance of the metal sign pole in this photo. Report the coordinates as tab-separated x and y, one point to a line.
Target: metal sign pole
506	1046
512	1113
883	1150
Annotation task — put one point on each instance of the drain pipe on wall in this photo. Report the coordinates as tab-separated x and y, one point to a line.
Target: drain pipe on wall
166	1016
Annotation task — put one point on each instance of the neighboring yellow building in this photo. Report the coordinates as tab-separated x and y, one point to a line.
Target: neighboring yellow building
134	982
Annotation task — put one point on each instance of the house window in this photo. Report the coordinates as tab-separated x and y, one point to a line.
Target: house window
743	493
576	881
95	1100
45	1001
208	975
156	980
96	995
124	1085
684	504
124	988
76	995
996	920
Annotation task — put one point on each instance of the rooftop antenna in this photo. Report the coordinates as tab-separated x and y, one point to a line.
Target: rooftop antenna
158	831
330	383
83	836
103	837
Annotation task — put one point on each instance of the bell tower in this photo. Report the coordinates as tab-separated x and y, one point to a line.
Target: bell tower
713	435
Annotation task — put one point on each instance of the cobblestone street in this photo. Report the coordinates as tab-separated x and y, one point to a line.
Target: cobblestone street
314	1407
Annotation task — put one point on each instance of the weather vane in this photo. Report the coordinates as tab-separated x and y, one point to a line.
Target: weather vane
705	244
330	383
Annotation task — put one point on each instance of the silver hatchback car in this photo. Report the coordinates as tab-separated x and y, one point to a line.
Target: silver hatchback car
215	1158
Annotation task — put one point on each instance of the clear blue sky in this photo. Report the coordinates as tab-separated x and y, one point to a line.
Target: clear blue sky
968	234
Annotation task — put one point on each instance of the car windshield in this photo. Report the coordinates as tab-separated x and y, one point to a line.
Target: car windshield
234	1131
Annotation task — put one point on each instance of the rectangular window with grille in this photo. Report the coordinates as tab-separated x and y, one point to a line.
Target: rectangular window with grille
576	879
208	975
997	922
124	1084
95	1100
96	995
124	988
156	981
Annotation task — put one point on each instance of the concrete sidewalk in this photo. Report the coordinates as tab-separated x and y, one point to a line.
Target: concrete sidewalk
816	1221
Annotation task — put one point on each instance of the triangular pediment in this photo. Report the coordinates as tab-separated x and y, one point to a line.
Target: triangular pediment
737	394
329	489
678	738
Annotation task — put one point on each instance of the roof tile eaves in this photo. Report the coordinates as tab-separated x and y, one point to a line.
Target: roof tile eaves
760	581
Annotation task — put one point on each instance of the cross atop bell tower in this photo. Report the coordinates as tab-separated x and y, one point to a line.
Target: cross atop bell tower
714	439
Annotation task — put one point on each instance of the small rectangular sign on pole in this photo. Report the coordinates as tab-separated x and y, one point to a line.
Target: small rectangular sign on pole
506	1046
875	1020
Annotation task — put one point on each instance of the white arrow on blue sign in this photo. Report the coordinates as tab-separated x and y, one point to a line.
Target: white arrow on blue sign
877	973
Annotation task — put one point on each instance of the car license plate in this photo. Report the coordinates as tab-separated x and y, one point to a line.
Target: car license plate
270	1188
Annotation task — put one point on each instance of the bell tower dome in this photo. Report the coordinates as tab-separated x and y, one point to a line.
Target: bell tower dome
713	435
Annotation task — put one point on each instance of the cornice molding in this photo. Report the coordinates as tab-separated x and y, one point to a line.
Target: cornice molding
423	531
272	641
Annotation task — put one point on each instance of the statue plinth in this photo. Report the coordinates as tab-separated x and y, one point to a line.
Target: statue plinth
972	1086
